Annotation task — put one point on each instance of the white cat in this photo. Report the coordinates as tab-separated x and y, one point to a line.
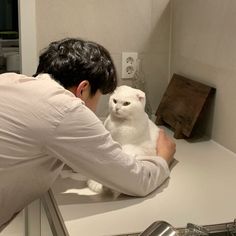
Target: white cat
129	125
128	122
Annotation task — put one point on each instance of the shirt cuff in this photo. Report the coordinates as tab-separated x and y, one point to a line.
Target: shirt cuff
157	160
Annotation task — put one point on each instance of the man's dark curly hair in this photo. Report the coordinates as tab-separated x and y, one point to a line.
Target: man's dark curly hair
71	60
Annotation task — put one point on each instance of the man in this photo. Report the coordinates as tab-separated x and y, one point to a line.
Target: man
48	121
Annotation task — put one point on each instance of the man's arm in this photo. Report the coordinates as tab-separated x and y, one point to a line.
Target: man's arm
82	142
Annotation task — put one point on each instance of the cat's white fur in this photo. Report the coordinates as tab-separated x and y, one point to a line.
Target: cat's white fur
130	125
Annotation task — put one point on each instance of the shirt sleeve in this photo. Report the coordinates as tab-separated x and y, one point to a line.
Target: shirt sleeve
81	141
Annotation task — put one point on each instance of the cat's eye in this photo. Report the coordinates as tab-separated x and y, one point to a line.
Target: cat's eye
126	103
114	100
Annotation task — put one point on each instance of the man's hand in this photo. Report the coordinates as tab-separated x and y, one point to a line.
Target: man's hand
165	147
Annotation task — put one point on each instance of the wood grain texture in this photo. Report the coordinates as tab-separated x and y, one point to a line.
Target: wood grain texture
182	105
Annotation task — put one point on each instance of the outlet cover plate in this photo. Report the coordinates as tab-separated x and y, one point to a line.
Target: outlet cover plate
129	64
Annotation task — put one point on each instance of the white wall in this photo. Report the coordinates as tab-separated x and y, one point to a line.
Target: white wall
119	25
202	34
27	27
204	48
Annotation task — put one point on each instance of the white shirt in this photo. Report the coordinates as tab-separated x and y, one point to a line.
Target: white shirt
42	127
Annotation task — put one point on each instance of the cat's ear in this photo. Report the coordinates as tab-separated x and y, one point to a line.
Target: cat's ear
141	97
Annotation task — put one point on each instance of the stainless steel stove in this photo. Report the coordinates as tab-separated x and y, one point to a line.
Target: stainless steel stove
224	229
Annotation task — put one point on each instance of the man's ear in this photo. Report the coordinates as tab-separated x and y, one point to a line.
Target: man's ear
83	89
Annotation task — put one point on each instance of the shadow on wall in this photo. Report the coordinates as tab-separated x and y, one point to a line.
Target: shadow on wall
205	124
155	60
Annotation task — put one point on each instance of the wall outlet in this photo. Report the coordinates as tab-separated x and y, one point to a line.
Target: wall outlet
129	64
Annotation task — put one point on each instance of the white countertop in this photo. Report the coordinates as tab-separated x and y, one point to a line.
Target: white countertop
200	190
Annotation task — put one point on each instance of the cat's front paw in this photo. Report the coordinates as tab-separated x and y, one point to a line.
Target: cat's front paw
95	186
